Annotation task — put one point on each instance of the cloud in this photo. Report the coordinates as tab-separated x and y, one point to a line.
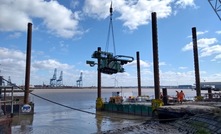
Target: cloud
206	47
182	68
6	53
14	35
13	62
208	51
201	32
50	64
55	17
185	3
142	63
74	4
198	33
218	32
136	14
96	8
62	22
201	43
133	13
217	57
162	64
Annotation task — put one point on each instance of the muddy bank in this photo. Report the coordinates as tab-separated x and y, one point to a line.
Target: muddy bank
151	127
198	124
209	123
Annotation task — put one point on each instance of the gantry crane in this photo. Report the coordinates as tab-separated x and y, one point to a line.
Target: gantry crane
60	80
216	5
80	81
53	79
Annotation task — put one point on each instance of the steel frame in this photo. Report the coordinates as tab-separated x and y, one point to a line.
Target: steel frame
216	5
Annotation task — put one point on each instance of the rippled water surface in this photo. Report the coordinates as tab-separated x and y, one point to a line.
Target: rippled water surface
50	118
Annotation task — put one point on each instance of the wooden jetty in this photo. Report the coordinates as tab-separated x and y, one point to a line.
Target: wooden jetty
12	102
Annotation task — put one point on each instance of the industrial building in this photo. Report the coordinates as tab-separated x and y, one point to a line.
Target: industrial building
213	85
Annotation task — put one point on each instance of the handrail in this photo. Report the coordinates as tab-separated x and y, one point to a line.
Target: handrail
12	98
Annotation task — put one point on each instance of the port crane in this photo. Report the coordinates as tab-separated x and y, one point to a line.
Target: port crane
80	81
110	63
60	80
53	80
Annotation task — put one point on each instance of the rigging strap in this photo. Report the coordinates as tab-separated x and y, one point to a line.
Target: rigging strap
110	31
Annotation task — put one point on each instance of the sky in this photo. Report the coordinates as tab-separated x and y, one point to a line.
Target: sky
65	33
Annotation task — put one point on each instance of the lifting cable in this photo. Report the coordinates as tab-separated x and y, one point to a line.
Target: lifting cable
110	31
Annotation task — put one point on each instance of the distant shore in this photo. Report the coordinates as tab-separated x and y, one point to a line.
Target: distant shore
83	90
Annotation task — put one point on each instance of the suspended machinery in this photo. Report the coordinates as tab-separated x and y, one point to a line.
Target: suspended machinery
110	63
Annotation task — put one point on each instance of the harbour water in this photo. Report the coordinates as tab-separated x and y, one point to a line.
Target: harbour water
80	115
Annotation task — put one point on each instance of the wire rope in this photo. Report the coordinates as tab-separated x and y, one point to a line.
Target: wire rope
100	114
72	108
110	31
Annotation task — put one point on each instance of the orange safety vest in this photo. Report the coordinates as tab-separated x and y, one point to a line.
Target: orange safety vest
181	95
178	96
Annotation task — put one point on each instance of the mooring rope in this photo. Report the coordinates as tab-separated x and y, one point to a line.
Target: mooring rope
54	102
72	108
100	114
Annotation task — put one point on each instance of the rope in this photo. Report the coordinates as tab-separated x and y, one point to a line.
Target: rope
110	29
104	116
72	108
54	102
43	98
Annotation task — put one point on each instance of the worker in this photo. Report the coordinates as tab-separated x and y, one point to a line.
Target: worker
161	95
181	96
178	96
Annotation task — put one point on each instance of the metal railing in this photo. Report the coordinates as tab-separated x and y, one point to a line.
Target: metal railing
6	101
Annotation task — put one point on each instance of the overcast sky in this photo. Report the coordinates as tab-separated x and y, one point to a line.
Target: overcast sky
66	33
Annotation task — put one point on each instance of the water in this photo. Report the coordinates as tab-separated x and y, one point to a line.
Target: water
56	119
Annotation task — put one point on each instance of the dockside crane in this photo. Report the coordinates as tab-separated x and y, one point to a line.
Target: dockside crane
60	80
53	80
80	81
